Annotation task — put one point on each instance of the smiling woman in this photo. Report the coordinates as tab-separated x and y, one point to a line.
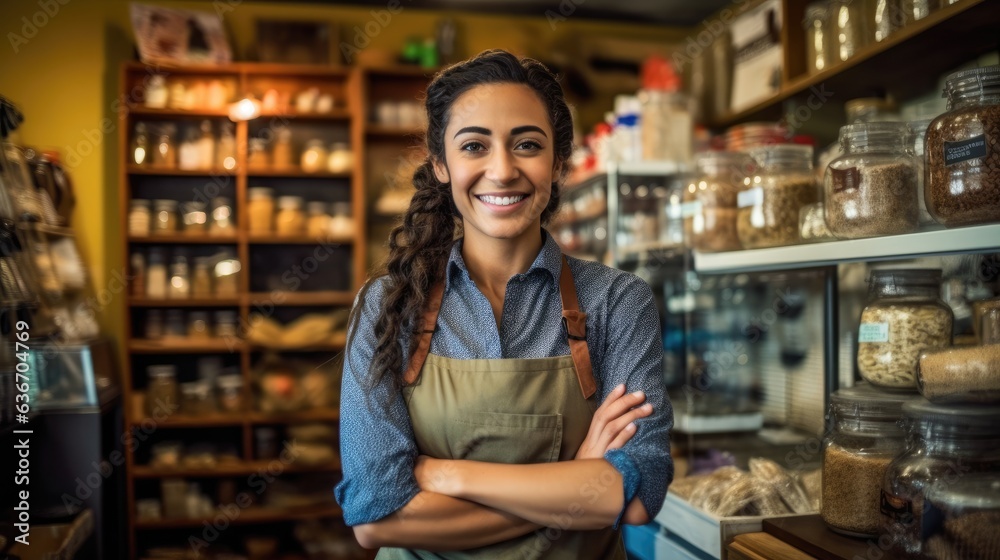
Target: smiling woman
492	404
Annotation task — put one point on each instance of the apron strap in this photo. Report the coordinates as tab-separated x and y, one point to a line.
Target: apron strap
575	323
431	310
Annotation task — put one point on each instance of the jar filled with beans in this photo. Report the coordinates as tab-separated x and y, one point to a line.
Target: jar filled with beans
904	316
771	200
963	151
709	206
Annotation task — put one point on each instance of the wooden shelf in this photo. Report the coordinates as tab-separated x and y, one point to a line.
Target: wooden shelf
302	298
185	239
335	344
144	170
297	174
393	131
143	111
242	468
334	115
248	516
190	302
207	421
581	218
299	240
907	63
319	415
210	346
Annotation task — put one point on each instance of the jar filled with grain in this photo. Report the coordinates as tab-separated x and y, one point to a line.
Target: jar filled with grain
963	162
709	206
871	189
966	517
866	436
963	374
771	200
904	316
947	443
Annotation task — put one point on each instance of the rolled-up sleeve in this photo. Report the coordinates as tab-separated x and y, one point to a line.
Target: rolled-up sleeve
633	355
377	449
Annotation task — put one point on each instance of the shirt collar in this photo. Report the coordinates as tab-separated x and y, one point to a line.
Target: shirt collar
549	259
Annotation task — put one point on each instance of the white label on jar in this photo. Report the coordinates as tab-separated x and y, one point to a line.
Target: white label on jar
689	209
750	197
873	332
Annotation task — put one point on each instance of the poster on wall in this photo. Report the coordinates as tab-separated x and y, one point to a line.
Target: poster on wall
757	61
172	36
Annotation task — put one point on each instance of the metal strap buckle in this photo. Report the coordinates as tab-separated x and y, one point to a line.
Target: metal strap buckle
573	337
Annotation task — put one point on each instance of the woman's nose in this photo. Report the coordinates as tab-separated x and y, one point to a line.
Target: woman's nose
501	169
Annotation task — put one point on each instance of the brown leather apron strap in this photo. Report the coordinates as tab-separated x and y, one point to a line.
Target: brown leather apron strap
431	309
575	323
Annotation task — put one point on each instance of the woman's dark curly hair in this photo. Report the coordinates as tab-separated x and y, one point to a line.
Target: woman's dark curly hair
419	248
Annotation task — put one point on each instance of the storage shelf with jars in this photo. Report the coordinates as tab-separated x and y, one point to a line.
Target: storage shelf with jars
243	197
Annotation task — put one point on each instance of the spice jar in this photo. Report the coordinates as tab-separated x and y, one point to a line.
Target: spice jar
161	392
871	189
818	42
319	221
194	217
904	316
709	206
198	325
155	94
164	153
188	155
969	374
947	443
341	224
257	158
137	282
154	324
139	217
341	158
201	279
770	201
847	28
314	157
225	324
196	398
866	436
986	320
180	279
260	210
222	217
963	517
164	216
175	327
886	17
230	393
227	277
140	153
225	153
963	165
290	220
156	274
281	156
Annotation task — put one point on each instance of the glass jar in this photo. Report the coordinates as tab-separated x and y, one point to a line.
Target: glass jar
188	155
257	158
967	374
206	146
196	399
818	42
847	29
154	325
871	189
290	220
866	436
230	393
341	159
963	165
282	154
164	216
904	316
156	274
226	279
917	10
947	443
137	280
201	279
985	323
155	95
194	217
180	279
318	223
222	217
314	157
198	325
341	223
709	208
963	518
870	109
770	202
139	217
260	210
225	324
225	153
175	327
919	129
161	392
812	224
886	17
140	153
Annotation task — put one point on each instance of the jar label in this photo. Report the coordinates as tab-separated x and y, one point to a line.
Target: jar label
873	332
690	209
895	508
845	179
957	152
750	197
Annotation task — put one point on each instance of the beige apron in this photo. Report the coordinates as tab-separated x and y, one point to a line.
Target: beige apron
516	411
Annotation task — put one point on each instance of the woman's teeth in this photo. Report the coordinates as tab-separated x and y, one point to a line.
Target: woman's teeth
502	200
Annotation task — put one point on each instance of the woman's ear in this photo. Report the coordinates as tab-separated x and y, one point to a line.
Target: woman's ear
441	171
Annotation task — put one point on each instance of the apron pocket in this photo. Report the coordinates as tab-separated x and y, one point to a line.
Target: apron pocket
494	437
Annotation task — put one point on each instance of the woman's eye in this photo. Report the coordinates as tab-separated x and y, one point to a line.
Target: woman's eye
529	145
473	147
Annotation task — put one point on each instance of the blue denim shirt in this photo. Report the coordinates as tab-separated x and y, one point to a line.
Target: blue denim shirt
623	334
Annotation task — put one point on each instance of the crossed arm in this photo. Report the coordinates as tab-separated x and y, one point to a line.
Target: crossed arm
468	504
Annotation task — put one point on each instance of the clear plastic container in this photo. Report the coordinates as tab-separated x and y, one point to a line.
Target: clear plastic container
963	519
963	164
847	28
904	316
260	210
818	41
866	436
161	390
771	201
871	189
709	202
948	443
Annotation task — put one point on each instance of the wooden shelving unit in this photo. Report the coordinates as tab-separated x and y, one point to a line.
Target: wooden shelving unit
344	122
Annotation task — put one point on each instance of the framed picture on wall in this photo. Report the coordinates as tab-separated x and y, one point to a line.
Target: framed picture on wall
167	35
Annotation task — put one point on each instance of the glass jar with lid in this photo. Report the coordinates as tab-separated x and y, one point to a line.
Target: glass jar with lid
871	189
260	210
230	393
257	158
966	374
164	216
709	206
227	274
201	278
963	517
198	326
885	18
847	28
314	156
175	327
963	165
341	158
164	152
282	153
161	392
812	224
222	217
341	223
290	219
180	279
197	399
318	223
771	200
226	324
156	274
139	217
948	443
140	152
866	435
818	43
154	324
194	217
904	316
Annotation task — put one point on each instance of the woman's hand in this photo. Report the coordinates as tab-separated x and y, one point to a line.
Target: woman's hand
436	475
613	423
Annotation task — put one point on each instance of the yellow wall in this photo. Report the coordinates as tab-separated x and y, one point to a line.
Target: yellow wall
61	68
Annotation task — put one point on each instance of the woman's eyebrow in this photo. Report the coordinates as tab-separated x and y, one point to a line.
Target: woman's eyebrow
527	128
473	129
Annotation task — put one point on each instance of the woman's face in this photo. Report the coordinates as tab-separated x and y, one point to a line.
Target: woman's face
499	159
